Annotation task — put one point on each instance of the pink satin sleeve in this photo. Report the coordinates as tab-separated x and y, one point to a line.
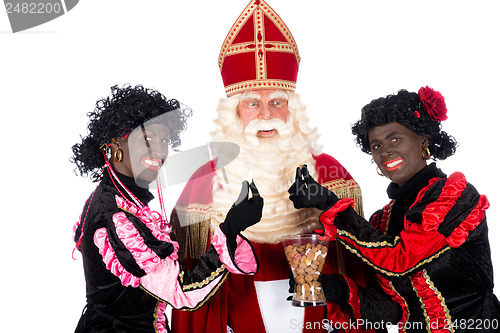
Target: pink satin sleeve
163	279
244	261
163	283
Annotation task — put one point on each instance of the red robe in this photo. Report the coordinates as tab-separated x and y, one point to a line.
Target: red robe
236	302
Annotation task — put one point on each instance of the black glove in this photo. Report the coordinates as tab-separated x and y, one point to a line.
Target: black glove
306	192
335	289
244	213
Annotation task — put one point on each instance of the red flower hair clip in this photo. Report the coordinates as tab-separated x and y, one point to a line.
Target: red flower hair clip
433	103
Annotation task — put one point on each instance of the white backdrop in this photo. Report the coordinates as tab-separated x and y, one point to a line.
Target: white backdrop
352	52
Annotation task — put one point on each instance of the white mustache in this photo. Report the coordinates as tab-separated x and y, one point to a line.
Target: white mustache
257	125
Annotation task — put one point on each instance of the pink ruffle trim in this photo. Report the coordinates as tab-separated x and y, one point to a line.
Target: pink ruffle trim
161	325
146	258
111	261
244	258
151	219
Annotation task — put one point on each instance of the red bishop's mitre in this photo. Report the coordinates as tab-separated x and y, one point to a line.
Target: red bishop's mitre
259	52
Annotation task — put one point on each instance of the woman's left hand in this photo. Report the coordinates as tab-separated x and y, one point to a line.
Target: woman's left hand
306	192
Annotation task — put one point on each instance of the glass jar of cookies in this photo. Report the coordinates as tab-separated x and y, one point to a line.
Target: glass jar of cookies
306	255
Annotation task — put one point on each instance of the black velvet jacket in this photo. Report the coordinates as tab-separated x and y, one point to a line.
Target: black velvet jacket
429	248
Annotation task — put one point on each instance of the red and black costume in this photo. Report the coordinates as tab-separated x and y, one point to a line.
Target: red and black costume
429	247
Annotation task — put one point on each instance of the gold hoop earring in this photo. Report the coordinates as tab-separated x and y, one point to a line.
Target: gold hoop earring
379	172
426	153
118	155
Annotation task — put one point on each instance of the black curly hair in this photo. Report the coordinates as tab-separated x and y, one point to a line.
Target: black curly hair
403	108
115	116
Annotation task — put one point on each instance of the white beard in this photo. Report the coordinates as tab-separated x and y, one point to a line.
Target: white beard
271	163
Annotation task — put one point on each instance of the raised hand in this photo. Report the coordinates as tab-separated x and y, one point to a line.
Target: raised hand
306	192
244	213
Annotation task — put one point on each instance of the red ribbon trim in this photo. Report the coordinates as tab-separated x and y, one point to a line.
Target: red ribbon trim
437	318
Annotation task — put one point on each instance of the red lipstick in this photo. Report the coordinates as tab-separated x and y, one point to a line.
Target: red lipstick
394	164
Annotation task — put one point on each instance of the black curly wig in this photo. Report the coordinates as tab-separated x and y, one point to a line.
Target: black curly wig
115	116
407	109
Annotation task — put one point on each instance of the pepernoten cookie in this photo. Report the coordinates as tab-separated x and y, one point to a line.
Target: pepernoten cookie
307	262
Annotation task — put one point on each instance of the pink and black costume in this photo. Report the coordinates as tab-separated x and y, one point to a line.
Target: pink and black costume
429	247
131	267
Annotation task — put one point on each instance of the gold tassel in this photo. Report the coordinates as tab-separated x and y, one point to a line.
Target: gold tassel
347	189
193	237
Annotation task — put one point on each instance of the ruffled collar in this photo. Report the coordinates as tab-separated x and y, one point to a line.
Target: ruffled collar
409	191
140	190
